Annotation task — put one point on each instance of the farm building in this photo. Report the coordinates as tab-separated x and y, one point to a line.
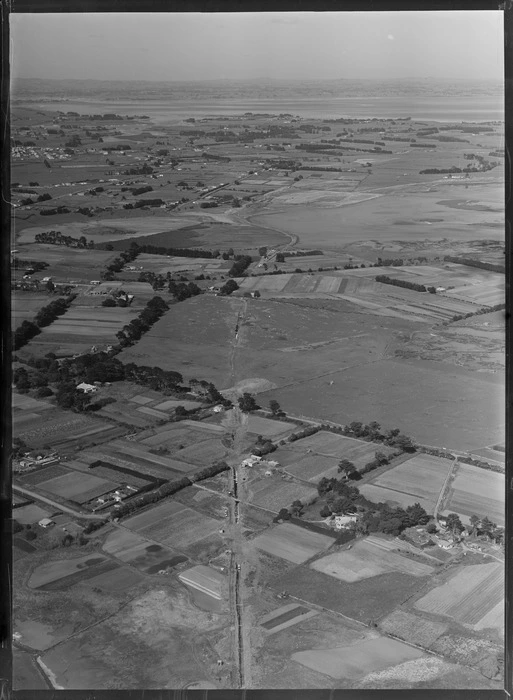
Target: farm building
343	522
87	388
46	522
250	461
418	537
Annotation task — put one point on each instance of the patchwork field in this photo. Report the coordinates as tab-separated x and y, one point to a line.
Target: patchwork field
477	491
339	447
173	524
368	558
133	549
64	572
419	479
207	580
359	659
274	493
268	428
468	596
292	543
25	305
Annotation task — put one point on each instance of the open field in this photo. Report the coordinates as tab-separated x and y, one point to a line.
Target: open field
26	674
368	599
468	596
25	305
274	493
311	467
59	569
162	264
477	491
368	558
137	456
292	543
27	403
420	477
359	659
268	428
66	264
131	648
376	392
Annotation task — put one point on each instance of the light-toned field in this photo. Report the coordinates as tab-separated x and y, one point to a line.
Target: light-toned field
61	568
27	403
78	486
138	457
368	558
420	479
310	468
469	595
292	543
162	264
413	628
377	494
359	659
25	305
273	429
202	454
477	491
207	580
274	493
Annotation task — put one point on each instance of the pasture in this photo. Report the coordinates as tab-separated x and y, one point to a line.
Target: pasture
268	428
292	542
376	392
26	674
377	494
66	264
359	659
368	599
29	515
367	558
274	493
467	596
137	456
162	264
310	467
25	305
77	486
477	491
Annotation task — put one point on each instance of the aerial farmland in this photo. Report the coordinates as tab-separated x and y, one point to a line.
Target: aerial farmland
257	404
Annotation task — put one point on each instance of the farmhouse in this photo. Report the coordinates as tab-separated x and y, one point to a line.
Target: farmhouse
418	537
87	388
250	461
344	522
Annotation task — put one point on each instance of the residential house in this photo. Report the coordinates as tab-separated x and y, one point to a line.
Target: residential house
46	522
344	522
87	388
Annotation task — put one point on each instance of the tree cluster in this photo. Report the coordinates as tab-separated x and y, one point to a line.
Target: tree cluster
241	263
470	262
384	279
182	290
57	210
373	433
157	202
151	313
58	238
479	312
29	329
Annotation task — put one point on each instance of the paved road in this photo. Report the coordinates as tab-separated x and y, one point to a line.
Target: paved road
57	506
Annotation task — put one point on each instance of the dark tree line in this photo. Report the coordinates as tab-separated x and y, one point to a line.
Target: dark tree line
384	279
58	238
151	313
29	329
470	262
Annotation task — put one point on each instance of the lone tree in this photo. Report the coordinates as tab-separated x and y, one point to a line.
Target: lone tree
296	508
275	407
348	468
247	402
454	524
282	515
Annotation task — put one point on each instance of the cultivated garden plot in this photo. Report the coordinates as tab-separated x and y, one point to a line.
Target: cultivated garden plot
413	628
274	493
207	580
292	542
339	447
378	494
99	324
59	574
468	596
77	486
144	555
268	428
25	306
173	524
286	616
477	491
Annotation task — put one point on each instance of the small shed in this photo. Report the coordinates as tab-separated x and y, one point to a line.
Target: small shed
46	522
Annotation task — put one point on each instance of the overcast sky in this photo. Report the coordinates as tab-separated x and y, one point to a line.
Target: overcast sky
195	46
